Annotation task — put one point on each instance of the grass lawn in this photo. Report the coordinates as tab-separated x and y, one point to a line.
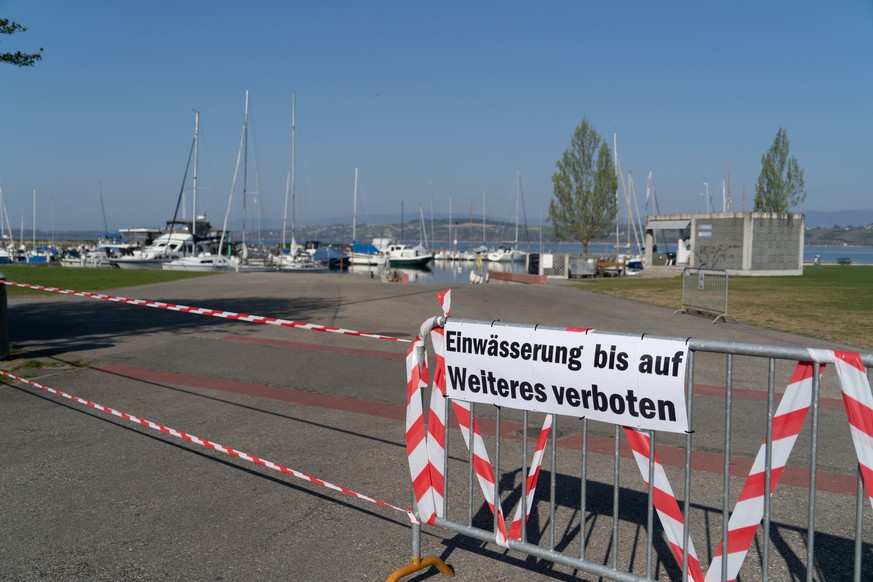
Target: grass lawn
85	279
830	302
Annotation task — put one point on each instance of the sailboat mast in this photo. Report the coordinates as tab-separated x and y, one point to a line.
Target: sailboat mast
355	210
3	214
245	165
8	224
430	189
517	202
285	213
451	240
102	208
288	177
194	188
294	171
423	229
483	215
470	230
618	175
34	220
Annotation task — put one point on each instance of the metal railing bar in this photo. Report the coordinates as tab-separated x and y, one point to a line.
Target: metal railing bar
615	492
583	488
497	475
470	466
813	452
524	420
686	509
542	553
446	455
768	462
794	353
859	516
726	478
650	506
553	480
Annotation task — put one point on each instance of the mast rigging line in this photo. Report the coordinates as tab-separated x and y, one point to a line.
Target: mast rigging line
184	180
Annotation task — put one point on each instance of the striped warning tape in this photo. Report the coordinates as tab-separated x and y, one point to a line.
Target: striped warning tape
749	509
858	400
787	423
211	445
426	441
208	312
664	500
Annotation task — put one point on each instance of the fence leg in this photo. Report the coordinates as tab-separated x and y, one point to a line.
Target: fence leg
4	332
418	563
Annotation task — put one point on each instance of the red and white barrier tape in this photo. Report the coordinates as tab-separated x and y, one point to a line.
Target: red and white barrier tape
211	445
787	423
426	445
749	509
208	312
664	500
426	442
858	400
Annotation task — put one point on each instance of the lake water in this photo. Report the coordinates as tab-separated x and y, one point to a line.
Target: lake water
458	272
858	255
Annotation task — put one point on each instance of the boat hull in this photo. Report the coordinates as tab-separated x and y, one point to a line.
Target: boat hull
411	262
365	259
153	264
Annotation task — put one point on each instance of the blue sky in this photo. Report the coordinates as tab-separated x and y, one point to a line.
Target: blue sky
431	101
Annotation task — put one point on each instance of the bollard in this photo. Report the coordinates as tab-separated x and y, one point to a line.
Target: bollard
4	335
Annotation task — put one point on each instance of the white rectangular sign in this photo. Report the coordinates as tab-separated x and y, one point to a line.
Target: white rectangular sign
630	381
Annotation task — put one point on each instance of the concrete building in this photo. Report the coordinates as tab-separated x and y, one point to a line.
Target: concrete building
743	243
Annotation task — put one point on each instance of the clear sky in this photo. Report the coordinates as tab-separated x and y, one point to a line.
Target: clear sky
431	100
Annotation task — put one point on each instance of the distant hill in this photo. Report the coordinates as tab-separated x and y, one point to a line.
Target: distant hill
823	228
841	218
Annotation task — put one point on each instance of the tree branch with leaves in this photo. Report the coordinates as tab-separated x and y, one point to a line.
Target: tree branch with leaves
18	58
584	203
780	184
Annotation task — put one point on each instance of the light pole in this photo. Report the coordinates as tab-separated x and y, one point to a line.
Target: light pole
708	201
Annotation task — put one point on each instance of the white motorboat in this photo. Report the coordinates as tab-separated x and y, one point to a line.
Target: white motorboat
367	255
170	246
110	246
406	255
203	262
506	255
300	261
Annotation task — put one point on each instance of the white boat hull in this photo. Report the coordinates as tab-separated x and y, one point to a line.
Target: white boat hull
366	259
199	264
408	256
132	263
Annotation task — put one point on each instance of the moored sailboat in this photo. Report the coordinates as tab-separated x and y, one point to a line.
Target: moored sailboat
366	255
294	259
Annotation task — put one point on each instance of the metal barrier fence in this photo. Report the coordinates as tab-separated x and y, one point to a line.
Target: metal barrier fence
596	519
705	290
554	265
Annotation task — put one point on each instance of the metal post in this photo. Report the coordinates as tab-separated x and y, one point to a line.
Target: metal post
4	332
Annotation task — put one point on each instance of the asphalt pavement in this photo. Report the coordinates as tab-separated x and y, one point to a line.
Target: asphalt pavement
93	496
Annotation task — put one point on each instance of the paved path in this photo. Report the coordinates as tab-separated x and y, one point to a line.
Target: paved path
91	496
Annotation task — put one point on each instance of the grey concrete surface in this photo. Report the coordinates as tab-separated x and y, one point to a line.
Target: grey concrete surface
88	496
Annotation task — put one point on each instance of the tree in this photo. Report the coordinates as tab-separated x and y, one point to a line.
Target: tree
584	204
18	58
780	184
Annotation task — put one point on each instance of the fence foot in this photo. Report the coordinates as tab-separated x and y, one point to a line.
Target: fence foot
419	564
